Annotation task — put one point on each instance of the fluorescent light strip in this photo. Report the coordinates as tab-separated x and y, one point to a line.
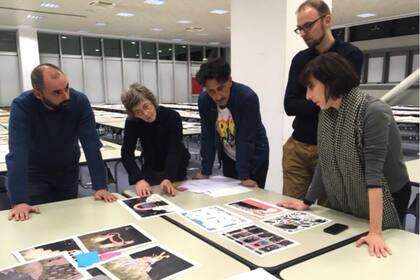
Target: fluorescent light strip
124	14
50	5
154	2
184	21
218	12
366	15
34	17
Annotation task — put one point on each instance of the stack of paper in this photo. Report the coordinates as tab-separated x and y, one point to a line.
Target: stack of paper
216	186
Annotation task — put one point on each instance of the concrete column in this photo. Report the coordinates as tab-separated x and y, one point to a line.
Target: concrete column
28	54
262	46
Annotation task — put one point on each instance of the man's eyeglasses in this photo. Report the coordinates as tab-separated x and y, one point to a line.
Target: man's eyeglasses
307	26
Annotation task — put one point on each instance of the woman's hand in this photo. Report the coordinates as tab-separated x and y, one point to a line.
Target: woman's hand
376	244
167	186
143	188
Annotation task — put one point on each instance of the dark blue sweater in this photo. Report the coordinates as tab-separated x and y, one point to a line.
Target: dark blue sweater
295	103
250	137
44	141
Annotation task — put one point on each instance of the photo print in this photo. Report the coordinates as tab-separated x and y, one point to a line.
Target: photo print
115	239
259	240
296	221
152	263
97	273
214	218
153	205
256	207
69	245
59	267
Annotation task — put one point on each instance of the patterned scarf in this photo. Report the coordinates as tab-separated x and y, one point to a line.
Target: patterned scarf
340	146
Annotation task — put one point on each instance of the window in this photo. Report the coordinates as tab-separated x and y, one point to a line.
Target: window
181	52
165	51
131	49
48	43
148	50
112	48
196	53
415	64
8	41
375	69
211	53
92	46
70	45
397	65
339	33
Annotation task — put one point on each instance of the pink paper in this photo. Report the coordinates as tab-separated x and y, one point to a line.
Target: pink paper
109	255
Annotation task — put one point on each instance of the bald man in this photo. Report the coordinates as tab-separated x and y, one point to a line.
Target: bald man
45	126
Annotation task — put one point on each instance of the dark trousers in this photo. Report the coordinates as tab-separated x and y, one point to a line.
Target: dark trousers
48	187
258	174
401	200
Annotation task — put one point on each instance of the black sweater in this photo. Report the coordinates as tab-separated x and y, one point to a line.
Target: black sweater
161	142
295	102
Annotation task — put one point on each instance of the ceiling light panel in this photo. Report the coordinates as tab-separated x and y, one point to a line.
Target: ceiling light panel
50	5
218	12
34	17
184	21
154	2
124	14
366	15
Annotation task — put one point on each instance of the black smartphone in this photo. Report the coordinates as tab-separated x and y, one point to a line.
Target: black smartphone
336	228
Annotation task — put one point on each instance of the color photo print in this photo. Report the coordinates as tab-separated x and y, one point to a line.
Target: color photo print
69	245
98	273
214	218
153	205
256	207
296	221
115	239
258	240
152	263
59	267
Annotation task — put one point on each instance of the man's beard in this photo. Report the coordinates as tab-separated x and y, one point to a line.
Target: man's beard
55	107
315	43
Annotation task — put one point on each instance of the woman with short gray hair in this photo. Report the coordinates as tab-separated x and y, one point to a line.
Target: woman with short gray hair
159	130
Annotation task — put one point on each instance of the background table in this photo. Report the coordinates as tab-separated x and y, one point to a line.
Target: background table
350	262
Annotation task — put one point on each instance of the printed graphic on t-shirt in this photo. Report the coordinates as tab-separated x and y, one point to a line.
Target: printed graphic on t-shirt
226	129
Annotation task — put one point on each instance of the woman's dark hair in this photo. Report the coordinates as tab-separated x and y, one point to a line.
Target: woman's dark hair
334	71
217	69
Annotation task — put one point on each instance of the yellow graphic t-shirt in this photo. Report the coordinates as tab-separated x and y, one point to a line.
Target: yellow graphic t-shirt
225	127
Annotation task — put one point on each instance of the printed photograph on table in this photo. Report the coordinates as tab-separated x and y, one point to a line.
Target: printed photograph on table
69	245
257	207
153	205
97	273
59	267
296	221
259	240
115	239
152	263
214	218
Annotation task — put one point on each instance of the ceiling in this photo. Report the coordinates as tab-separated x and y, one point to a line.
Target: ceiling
160	22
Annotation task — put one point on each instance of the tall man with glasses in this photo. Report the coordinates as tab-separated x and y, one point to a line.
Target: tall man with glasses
300	154
231	124
45	126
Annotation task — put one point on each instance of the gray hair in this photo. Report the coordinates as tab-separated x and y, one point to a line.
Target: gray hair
133	95
320	6
37	75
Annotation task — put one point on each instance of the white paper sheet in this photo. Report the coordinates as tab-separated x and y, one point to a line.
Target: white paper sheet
216	186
